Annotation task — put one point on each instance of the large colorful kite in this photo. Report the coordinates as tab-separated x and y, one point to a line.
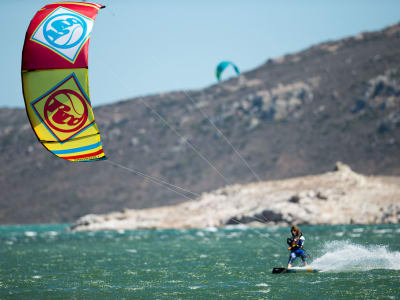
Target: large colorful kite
55	80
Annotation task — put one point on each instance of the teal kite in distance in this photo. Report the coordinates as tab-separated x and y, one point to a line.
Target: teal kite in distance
222	66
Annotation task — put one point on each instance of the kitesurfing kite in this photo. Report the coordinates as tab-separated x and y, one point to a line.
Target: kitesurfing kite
222	66
55	80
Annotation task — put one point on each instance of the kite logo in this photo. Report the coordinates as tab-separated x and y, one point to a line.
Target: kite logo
64	110
64	31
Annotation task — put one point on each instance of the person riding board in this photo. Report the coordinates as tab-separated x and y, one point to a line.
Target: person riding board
296	249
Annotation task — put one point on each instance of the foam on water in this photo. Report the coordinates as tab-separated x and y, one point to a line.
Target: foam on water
30	233
346	256
211	229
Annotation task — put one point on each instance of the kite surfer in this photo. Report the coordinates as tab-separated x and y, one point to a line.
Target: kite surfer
296	249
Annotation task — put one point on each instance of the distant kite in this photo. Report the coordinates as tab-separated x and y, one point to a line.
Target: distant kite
222	66
55	80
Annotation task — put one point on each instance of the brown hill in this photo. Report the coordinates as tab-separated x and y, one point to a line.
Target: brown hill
293	116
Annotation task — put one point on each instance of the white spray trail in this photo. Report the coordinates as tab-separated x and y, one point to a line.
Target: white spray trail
342	256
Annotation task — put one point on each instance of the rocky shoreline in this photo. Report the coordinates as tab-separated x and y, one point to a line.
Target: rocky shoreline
338	197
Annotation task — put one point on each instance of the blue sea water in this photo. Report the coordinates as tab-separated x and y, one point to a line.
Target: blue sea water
48	262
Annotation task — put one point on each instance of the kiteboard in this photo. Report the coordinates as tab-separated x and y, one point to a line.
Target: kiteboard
279	270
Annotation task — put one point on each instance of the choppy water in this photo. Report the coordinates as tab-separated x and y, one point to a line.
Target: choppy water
46	262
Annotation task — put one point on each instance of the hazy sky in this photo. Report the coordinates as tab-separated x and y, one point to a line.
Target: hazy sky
151	46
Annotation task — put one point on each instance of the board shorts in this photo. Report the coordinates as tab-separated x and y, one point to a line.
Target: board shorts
294	254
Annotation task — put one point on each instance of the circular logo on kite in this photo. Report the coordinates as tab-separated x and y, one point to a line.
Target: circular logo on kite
66	111
64	30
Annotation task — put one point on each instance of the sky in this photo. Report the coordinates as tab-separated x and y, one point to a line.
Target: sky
147	47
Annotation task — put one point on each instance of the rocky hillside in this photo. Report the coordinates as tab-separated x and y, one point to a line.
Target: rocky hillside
339	197
294	115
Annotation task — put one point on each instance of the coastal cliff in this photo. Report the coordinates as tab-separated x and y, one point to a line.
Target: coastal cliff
338	197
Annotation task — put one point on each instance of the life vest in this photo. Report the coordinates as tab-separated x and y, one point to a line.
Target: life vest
294	245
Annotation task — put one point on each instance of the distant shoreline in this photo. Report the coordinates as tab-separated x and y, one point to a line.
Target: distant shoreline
335	198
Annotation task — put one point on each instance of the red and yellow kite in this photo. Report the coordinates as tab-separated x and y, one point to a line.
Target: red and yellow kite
55	80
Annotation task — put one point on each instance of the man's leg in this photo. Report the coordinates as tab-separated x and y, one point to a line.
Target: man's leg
304	258
292	257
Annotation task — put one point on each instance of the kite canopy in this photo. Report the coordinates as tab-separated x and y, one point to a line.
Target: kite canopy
222	66
55	80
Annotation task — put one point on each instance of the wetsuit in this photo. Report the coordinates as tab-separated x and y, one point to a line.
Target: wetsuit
296	249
